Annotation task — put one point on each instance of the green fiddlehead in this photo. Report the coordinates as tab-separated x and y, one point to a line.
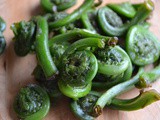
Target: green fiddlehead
78	68
112	60
112	24
83	107
78	71
32	103
24	37
142	46
114	66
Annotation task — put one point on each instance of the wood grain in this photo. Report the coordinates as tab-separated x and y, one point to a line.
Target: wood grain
17	72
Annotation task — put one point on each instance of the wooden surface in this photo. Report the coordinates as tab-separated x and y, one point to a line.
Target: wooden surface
15	72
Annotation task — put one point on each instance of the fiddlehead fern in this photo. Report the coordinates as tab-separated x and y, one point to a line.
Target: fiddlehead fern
78	71
32	103
79	68
83	107
111	24
142	46
24	37
114	66
112	60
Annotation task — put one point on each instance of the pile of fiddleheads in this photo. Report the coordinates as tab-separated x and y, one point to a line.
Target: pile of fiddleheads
75	58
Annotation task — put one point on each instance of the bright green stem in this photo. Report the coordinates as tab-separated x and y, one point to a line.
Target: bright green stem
86	42
73	16
107	97
86	21
143	12
77	34
148	77
42	50
125	8
142	100
47	5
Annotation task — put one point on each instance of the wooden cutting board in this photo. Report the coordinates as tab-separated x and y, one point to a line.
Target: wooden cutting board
15	72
